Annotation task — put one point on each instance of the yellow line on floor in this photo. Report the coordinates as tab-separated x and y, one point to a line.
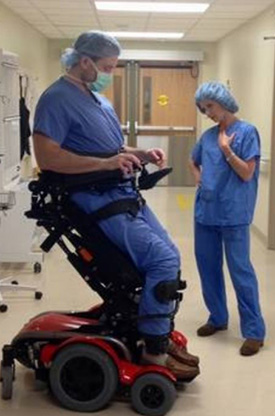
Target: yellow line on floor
185	201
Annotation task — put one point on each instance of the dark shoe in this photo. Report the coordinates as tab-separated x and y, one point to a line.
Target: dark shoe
251	347
180	370
181	355
208	329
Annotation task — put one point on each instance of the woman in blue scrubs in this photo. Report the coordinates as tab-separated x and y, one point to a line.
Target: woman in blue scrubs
225	164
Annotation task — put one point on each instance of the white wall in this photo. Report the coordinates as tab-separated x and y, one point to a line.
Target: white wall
19	37
31	46
208	69
242	59
246	61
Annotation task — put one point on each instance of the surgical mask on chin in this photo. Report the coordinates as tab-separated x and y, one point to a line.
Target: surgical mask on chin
102	82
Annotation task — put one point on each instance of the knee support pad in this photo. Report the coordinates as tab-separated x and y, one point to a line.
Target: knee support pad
156	344
167	290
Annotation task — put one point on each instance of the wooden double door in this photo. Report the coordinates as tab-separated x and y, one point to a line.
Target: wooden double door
156	108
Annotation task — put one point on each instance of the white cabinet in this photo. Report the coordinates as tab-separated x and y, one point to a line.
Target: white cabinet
17	233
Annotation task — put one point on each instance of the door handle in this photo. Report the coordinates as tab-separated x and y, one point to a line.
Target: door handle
125	127
167	128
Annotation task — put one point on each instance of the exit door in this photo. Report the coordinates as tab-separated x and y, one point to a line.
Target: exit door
156	108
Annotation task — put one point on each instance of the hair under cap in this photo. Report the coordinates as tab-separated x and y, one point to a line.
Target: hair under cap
216	91
94	44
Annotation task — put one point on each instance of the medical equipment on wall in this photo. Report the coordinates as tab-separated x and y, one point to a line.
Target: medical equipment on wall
16	234
9	120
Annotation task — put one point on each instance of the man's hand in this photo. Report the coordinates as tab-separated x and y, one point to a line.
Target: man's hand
156	156
126	162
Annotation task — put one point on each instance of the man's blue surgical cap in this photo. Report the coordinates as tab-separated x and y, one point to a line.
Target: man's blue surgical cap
94	44
216	91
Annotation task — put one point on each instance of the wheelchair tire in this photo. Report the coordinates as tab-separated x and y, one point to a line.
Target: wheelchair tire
83	378
7	377
153	394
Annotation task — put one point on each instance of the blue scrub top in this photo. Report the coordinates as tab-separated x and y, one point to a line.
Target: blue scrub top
78	122
82	124
223	198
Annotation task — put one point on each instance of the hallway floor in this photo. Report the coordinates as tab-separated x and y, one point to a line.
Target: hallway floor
229	384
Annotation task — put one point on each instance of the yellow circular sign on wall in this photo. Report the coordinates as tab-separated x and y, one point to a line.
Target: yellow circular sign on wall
163	100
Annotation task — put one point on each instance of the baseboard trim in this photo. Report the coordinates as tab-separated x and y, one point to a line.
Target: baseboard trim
259	234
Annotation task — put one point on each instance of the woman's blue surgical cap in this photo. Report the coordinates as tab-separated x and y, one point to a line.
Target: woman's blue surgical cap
216	91
94	44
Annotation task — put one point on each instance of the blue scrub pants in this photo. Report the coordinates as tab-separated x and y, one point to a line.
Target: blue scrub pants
148	244
209	244
155	256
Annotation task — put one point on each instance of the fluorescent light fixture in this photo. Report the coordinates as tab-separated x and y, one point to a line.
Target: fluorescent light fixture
147	35
142	6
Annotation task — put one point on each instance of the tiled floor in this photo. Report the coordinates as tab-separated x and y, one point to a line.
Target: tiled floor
229	385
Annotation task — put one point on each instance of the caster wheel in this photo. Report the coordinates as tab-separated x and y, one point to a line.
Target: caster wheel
153	394
37	268
7	377
14	282
38	295
3	308
83	378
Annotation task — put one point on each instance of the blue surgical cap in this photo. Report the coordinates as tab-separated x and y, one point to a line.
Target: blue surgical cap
216	91
95	44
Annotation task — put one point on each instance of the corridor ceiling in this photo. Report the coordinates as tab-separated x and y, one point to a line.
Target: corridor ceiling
60	19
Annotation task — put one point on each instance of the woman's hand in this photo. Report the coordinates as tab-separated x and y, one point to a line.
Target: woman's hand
197	177
225	141
196	171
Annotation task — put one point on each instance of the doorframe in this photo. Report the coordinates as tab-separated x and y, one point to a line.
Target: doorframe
271	213
132	87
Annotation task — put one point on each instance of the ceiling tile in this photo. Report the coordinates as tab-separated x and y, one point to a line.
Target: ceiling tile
16	3
170	24
219	23
67	18
61	4
73	31
264	3
122	23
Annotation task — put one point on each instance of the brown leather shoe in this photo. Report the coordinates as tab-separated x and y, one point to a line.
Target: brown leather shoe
180	370
182	355
208	329
251	346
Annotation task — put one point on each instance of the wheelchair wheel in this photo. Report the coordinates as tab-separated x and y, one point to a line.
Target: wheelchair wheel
7	377
153	394
83	378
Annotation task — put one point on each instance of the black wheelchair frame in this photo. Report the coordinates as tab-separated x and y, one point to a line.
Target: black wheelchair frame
107	333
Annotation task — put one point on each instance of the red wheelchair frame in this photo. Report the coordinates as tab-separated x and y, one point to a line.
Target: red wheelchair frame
87	357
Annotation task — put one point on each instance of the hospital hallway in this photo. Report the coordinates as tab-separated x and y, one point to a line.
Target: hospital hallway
229	384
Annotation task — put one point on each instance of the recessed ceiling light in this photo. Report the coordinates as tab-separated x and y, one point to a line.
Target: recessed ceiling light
141	6
147	35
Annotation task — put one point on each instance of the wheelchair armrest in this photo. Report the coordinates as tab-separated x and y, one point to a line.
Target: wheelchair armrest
149	180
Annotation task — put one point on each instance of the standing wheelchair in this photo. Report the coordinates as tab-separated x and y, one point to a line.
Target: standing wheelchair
88	357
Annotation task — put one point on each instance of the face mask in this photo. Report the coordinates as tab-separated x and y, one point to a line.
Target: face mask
102	82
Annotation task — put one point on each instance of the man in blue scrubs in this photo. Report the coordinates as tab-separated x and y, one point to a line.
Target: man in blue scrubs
74	125
225	164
